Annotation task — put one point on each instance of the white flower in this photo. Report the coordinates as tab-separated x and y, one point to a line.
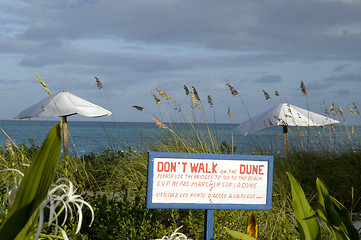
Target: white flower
62	197
175	236
12	190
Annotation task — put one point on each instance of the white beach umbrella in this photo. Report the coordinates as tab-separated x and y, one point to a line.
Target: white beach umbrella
285	115
63	104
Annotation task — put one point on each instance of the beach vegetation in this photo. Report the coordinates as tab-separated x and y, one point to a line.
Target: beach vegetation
330	212
30	198
32	190
113	181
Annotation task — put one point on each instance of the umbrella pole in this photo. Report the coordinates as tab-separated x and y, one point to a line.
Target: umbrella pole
65	135
285	139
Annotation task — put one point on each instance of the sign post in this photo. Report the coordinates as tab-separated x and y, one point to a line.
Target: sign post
208	224
210	182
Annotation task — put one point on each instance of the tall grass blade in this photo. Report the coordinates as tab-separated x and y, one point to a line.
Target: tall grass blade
34	186
306	218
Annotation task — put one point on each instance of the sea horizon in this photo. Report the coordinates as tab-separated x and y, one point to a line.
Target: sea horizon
96	136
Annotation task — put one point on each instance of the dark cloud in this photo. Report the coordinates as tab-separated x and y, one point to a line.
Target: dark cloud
7	86
175	42
340	67
277	32
351	77
41	61
321	28
335	82
342	92
8	81
269	79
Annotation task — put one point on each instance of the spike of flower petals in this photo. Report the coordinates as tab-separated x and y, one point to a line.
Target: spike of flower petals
60	198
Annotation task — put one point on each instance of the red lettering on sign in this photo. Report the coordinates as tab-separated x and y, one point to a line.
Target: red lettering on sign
203	168
184	166
214	168
251	169
261	169
167	166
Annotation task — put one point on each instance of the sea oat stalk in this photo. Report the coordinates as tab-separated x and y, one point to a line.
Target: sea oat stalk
229	117
43	84
163	126
164	94
197	100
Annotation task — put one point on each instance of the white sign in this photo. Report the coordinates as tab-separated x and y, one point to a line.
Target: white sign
209	181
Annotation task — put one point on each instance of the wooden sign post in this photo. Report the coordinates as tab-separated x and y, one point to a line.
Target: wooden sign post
210	182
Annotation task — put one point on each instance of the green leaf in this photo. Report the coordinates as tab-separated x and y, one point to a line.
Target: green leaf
346	219
308	224
239	235
34	186
328	215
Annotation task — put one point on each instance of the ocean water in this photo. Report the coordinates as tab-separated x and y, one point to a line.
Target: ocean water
96	136
86	136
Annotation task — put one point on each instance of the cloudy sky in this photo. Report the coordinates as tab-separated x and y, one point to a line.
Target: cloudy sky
137	46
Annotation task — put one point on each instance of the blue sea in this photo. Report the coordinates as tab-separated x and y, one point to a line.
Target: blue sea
87	137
